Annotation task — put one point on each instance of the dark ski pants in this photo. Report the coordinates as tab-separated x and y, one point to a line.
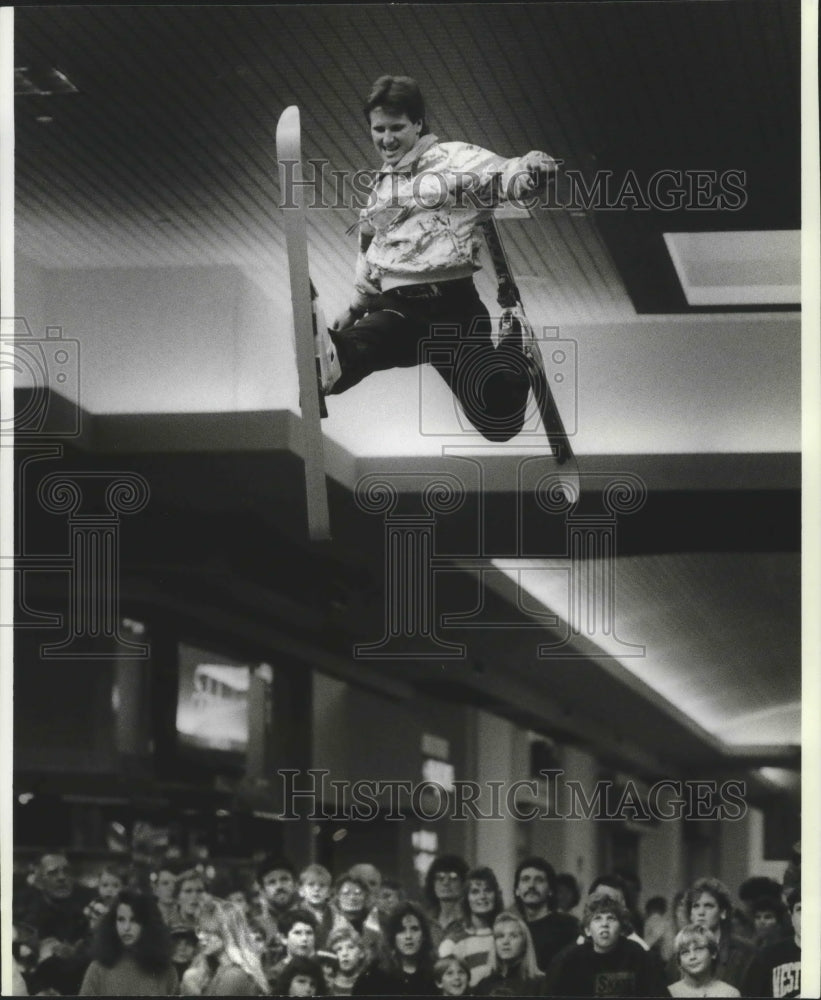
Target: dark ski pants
447	326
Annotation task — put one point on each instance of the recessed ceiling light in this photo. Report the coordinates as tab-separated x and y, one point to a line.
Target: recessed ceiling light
738	268
41	81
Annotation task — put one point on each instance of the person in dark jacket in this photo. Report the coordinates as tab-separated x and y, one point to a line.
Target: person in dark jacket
776	969
534	888
607	964
55	902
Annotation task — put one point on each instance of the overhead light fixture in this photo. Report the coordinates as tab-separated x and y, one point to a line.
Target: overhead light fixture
33	81
747	268
780	777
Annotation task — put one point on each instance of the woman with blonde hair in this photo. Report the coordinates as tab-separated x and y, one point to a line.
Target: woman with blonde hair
228	963
515	971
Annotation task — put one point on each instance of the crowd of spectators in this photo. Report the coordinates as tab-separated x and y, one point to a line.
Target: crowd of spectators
190	930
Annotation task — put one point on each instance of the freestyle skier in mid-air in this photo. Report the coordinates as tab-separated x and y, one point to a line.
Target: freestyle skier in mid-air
419	245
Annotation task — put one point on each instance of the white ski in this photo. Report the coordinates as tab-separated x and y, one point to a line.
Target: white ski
303	296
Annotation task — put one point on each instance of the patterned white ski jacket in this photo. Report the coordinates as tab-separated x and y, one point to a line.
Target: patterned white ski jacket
420	223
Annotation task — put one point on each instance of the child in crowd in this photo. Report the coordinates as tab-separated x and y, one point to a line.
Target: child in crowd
297	934
696	951
607	964
183	947
709	904
451	976
315	893
110	883
301	977
351	957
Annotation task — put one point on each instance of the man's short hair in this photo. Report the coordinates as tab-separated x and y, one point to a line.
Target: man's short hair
291	917
397	93
271	863
595	904
793	898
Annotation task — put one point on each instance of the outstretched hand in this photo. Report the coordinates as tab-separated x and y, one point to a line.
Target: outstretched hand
535	170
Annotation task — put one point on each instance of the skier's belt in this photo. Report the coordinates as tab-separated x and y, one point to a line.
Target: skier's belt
430	289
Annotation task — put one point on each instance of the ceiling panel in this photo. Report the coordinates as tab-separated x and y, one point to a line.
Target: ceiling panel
166	154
